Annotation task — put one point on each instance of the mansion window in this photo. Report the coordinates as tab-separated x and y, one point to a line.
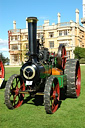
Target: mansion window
14	47
14	58
63	33
60	33
38	35
27	46
51	34
26	37
51	44
13	38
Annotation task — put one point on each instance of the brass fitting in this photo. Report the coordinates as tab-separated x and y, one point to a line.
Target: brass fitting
32	19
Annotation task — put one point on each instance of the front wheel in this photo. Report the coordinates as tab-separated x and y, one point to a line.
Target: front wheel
13	99
51	95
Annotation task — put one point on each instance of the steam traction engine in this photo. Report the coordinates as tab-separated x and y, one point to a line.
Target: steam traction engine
43	74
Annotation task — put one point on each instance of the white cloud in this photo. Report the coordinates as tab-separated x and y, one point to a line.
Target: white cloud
4	49
3	42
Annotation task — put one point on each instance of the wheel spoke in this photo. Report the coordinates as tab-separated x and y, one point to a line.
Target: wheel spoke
14	100
21	86
17	81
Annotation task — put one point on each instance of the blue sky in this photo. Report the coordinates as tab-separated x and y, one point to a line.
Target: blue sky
46	9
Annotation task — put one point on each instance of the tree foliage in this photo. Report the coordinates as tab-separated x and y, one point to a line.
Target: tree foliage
79	53
4	59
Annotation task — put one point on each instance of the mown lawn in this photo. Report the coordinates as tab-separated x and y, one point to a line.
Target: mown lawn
71	113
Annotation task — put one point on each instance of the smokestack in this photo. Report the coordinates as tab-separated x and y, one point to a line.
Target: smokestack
59	18
77	16
14	24
32	28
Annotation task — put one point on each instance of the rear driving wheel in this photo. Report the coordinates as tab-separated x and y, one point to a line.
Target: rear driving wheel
15	84
51	95
61	56
72	70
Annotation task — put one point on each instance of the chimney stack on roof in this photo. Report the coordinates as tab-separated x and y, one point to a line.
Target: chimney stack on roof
14	24
59	17
77	16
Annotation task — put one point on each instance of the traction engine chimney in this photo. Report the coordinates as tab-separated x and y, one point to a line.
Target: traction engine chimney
32	28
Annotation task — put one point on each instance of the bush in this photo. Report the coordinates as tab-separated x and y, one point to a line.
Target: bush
79	53
82	61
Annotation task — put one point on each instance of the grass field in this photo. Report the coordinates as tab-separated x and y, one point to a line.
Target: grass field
71	113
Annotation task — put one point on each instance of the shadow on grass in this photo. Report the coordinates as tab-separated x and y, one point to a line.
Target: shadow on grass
26	100
36	100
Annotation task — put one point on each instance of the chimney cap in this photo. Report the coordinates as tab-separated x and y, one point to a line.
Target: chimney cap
77	10
14	22
59	14
31	19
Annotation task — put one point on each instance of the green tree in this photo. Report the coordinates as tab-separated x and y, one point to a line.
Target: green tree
79	53
4	59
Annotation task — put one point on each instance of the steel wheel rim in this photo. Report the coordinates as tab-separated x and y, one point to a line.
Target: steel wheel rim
2	70
54	101
15	97
78	81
